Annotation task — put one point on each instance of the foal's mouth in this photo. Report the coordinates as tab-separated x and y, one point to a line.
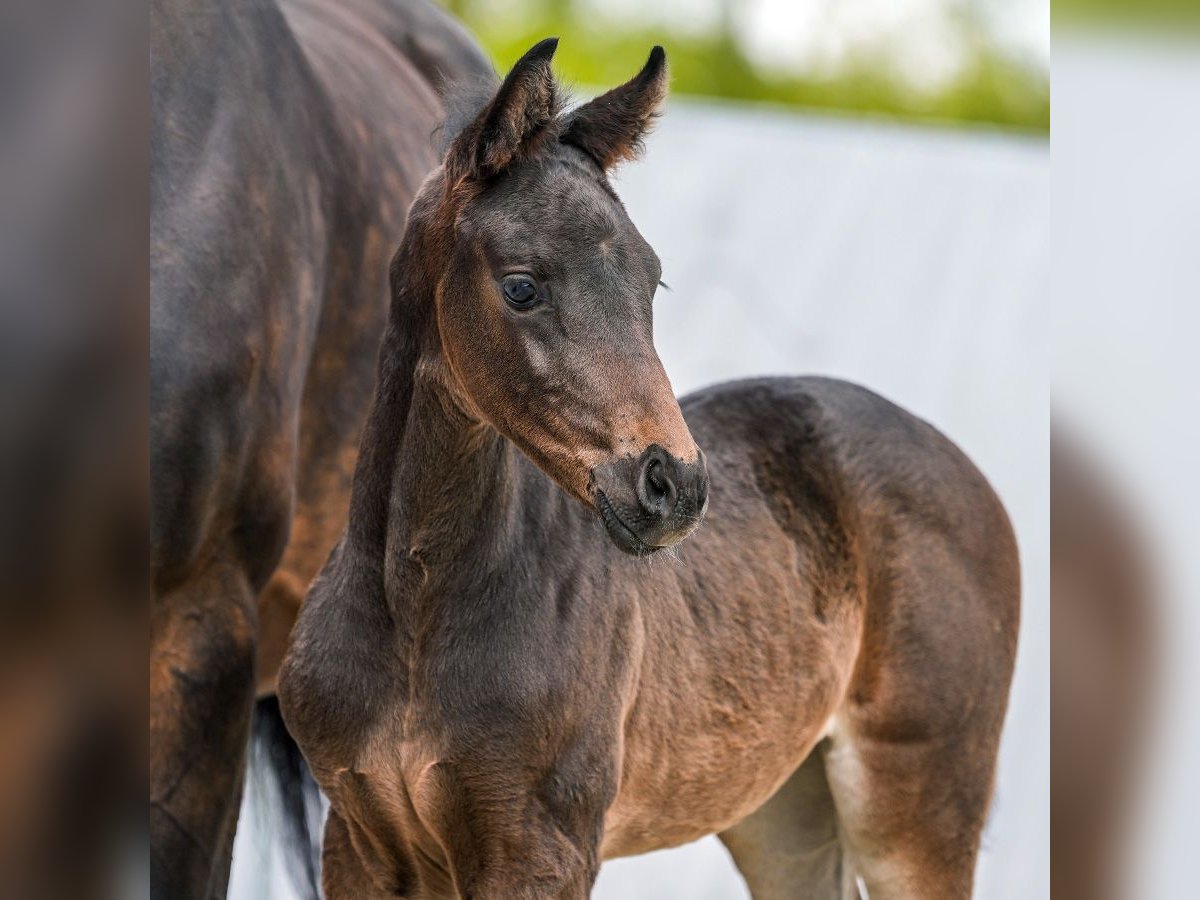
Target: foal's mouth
622	535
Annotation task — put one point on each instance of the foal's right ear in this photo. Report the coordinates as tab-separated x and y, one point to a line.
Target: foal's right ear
513	125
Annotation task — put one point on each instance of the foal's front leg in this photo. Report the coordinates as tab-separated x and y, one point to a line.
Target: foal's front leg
468	834
517	886
538	840
538	867
543	865
527	853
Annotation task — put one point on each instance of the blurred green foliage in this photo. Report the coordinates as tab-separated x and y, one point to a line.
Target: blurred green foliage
990	89
1135	14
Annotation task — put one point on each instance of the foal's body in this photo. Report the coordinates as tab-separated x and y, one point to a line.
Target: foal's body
495	698
855	579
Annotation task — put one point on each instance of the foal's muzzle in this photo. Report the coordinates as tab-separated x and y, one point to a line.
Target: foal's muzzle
651	501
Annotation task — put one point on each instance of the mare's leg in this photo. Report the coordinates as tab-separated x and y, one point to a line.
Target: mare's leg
201	699
278	605
789	848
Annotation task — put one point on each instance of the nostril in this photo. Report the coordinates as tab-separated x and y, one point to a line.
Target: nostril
656	480
655	488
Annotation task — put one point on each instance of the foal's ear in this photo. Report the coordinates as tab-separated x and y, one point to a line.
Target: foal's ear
513	124
611	127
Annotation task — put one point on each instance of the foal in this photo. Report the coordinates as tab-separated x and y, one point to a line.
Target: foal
495	699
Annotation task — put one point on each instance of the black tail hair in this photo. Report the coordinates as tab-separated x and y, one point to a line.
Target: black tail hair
293	796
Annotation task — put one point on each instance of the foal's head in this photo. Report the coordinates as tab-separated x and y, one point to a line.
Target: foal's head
543	300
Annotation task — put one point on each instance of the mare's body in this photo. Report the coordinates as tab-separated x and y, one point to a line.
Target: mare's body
286	144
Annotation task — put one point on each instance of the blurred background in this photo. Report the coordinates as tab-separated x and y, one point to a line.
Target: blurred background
1126	496
946	62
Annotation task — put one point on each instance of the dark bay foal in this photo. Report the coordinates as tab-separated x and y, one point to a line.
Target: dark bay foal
495	698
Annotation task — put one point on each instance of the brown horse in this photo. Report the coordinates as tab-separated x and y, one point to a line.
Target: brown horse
1105	615
287	142
495	699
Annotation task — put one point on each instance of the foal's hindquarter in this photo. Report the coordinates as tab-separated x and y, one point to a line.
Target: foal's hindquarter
526	700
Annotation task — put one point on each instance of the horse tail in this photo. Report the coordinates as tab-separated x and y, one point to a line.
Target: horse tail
292	797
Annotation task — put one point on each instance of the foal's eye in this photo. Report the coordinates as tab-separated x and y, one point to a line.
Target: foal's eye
520	291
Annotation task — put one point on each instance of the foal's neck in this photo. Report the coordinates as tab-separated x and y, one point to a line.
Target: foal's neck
455	482
434	487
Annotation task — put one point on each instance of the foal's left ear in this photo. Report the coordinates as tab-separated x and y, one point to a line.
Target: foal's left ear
611	127
513	125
